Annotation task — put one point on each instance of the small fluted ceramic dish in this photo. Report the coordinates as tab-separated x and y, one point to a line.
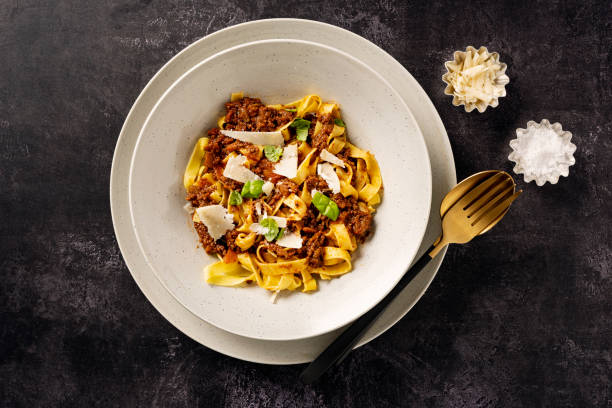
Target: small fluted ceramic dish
475	79
542	152
278	71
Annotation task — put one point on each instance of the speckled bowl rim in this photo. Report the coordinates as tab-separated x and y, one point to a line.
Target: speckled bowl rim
261	351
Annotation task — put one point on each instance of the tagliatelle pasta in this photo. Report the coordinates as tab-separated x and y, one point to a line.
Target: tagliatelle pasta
283	214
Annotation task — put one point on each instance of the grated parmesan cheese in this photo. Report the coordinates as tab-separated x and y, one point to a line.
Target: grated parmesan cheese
257	138
476	79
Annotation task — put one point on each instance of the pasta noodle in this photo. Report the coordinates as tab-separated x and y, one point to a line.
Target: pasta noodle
288	227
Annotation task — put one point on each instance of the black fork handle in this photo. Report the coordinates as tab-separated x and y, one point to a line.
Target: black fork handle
342	346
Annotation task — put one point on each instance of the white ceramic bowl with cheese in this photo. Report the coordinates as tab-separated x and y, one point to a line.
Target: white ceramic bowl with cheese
279	71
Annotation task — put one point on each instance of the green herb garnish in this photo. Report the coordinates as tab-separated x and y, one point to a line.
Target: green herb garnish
339	122
299	122
291	109
326	206
252	189
272	228
301	134
273	153
280	234
301	128
235	198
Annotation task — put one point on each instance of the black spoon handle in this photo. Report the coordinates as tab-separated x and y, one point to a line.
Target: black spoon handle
343	345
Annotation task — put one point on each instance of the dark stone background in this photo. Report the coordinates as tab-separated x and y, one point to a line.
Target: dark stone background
521	317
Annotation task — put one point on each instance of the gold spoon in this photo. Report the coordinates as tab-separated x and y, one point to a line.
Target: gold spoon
471	208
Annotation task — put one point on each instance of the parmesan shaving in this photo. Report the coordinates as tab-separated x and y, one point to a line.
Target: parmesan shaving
290	240
327	173
288	164
267	188
257	138
235	170
332	158
280	221
258	228
217	220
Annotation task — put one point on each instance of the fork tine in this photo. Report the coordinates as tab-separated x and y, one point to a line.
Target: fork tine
489	199
466	200
490	216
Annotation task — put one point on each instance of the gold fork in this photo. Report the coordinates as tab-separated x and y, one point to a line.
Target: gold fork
471	208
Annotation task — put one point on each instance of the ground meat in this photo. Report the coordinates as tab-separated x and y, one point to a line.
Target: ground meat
235	145
252	152
284	252
283	189
317	183
208	243
198	194
265	169
251	115
214	149
287	187
230	241
343	154
313	221
358	221
319	140
314	249
311	116
343	202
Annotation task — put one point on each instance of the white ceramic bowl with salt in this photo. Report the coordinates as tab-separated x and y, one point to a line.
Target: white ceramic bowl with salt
542	152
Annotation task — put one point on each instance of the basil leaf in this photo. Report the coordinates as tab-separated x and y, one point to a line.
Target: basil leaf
299	123
280	234
320	201
331	211
252	189
301	134
272	228
235	198
291	109
273	153
326	206
339	122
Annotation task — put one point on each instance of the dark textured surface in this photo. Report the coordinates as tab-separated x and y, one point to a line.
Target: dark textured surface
521	317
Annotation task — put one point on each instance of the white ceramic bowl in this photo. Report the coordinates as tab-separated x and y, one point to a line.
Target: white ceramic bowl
278	71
